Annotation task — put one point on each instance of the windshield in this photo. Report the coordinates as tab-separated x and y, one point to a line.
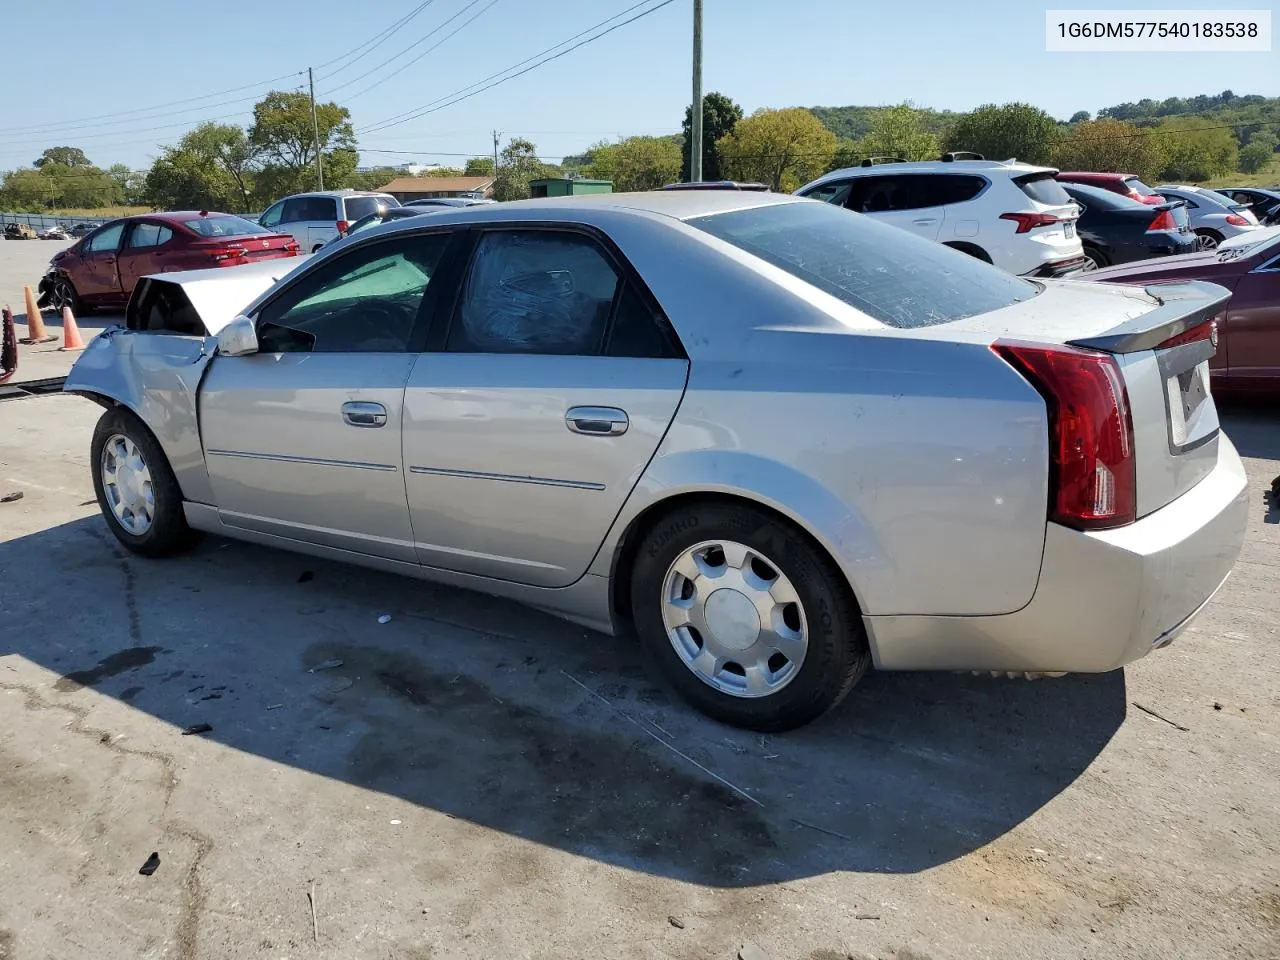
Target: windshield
223	225
889	274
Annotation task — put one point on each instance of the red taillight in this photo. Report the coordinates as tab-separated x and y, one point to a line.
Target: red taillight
1092	473
1236	220
342	228
223	254
1163	221
1029	221
291	248
1201	331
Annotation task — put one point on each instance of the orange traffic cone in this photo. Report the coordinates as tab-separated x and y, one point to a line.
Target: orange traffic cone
71	339
36	333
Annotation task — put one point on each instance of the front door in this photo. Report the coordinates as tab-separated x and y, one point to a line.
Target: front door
302	439
528	425
100	280
1253	329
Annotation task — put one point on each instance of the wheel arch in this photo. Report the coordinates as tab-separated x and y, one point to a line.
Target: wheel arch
972	249
778	490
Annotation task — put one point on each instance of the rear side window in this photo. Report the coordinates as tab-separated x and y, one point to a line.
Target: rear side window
306	209
358	207
956	188
1043	188
888	273
837	192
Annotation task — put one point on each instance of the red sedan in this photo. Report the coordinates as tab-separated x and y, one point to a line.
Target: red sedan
1125	184
1248	357
101	269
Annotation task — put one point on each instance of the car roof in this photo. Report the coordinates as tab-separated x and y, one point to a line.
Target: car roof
338	193
943	166
1097	175
676	204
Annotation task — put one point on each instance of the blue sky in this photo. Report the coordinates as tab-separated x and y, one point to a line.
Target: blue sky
126	56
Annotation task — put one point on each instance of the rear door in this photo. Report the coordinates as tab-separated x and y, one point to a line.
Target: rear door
302	439
143	252
537	408
321	216
99	278
906	200
1253	322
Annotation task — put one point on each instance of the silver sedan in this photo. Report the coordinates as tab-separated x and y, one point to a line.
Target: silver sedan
779	441
1213	217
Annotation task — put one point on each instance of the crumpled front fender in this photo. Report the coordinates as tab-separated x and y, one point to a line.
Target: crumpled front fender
157	376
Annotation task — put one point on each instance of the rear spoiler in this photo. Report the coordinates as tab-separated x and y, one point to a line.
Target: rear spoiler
1181	307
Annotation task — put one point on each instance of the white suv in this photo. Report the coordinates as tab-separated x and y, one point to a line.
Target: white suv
1011	214
313	219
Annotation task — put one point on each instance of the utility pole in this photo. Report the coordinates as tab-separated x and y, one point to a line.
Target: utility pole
695	139
315	132
497	135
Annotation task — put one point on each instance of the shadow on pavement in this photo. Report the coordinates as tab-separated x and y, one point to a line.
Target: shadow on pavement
1253	426
515	721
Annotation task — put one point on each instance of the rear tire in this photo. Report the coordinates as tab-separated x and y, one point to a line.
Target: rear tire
1095	256
1209	239
136	489
972	250
755	585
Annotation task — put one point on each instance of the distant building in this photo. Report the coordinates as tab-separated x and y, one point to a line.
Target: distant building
567	187
405	189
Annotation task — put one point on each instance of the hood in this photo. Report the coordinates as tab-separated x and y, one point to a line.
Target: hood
219	294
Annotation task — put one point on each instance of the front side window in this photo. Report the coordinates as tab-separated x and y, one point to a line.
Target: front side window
272	216
534	291
888	273
106	239
366	301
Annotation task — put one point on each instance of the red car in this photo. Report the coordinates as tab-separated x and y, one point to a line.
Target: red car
1248	357
1125	184
101	269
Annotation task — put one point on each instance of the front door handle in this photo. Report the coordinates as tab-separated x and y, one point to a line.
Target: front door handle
361	413
597	421
925	221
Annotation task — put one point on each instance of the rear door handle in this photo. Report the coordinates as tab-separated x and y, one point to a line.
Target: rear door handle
597	421
925	220
361	413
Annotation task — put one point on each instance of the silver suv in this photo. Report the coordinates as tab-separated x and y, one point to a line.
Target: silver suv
313	219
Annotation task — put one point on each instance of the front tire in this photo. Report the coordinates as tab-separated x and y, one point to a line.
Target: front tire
748	619
136	489
64	294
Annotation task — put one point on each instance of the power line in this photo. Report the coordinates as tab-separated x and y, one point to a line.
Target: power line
376	40
405	66
462	94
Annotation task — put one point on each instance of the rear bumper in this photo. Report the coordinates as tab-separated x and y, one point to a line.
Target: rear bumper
1060	268
1104	598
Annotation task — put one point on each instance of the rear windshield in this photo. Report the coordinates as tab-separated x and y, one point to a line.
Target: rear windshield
889	274
1136	185
1043	188
358	207
223	225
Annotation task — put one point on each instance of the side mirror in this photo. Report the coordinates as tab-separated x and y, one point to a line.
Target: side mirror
238	338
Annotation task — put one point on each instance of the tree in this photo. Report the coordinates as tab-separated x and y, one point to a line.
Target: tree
1110	146
1195	150
781	148
899	132
282	140
129	184
27	190
636	163
211	168
1001	132
67	156
517	165
479	167
1257	155
443	172
54	185
848	154
374	179
719	116
1081	116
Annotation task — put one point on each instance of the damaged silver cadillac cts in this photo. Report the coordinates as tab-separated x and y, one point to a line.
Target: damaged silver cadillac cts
780	441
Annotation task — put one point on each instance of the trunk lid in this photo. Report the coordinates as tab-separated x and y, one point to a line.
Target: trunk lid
1175	419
